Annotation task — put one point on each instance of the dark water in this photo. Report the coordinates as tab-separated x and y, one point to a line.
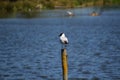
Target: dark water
30	48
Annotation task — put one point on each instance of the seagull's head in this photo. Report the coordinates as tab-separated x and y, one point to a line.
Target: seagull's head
61	34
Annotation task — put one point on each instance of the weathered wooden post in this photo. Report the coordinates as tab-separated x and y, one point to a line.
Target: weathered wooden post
64	64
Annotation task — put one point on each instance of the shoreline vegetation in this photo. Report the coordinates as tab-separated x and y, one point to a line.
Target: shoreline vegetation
33	6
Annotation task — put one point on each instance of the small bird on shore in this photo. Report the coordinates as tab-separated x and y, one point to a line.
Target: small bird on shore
63	39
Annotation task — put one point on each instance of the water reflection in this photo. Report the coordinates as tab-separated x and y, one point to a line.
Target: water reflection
31	14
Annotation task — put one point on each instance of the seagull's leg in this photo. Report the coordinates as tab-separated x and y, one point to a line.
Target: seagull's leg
62	46
65	45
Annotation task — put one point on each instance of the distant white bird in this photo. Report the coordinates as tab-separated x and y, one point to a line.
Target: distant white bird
63	39
70	13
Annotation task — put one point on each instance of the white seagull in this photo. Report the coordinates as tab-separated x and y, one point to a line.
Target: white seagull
70	13
63	39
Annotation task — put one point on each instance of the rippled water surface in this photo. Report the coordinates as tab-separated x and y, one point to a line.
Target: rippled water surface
30	48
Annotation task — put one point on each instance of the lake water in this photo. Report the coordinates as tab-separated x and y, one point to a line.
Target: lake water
30	48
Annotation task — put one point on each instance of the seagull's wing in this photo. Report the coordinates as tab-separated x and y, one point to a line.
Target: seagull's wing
63	39
66	40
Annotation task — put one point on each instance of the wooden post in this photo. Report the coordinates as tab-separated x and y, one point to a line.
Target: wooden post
64	64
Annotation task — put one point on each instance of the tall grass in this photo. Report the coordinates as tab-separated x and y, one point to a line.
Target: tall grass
26	6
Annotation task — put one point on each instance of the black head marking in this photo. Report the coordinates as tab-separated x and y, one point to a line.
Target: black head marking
60	34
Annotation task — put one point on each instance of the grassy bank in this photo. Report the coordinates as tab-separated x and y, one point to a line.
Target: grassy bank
27	6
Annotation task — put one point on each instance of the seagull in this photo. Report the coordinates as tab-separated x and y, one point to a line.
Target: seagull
63	39
70	13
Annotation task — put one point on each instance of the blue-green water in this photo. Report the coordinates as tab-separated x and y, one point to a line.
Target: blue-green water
30	48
